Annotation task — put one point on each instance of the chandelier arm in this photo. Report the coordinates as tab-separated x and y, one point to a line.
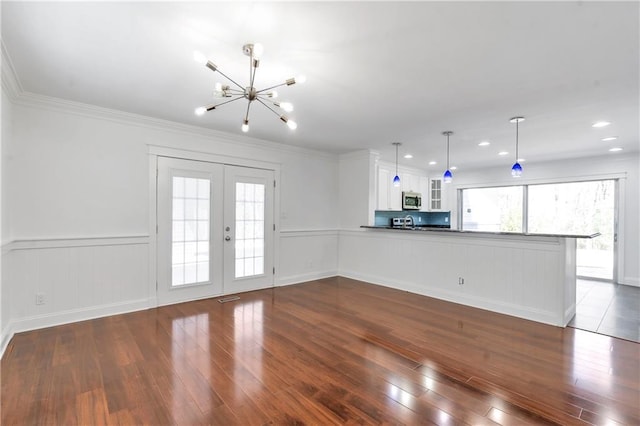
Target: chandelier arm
271	109
229	101
266	99
230	79
246	116
252	72
272	87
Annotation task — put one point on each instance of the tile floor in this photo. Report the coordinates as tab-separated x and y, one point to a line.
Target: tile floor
607	308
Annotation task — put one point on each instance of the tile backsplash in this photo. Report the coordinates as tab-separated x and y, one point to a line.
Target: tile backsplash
383	217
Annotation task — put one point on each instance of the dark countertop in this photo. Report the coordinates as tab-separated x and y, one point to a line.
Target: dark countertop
458	231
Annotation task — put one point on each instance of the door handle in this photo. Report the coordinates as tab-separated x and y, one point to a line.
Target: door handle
227	238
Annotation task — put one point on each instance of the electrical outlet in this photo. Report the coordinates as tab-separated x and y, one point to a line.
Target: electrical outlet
460	281
39	298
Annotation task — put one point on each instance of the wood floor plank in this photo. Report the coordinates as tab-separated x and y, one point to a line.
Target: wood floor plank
330	351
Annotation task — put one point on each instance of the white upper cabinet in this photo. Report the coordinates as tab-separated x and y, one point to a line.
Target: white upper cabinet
438	195
389	196
410	182
435	194
424	190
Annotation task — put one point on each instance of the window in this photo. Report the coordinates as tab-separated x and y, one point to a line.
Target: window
578	208
190	231
249	229
492	209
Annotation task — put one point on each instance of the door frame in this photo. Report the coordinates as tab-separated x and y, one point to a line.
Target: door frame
155	151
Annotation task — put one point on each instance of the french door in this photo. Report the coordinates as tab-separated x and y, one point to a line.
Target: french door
215	229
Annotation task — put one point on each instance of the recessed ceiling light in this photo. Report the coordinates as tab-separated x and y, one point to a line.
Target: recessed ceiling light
610	138
408	156
503	153
453	168
484	143
432	163
615	149
600	124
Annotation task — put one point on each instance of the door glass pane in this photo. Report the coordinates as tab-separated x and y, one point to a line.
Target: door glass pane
249	229
578	208
190	237
492	209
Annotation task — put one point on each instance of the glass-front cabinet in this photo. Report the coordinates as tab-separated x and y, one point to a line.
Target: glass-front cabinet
435	194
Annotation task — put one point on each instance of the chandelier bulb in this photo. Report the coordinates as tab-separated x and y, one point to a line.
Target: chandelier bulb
292	124
200	110
287	106
199	57
258	50
273	94
301	79
245	126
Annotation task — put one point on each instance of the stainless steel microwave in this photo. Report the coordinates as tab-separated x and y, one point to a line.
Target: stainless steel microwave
411	200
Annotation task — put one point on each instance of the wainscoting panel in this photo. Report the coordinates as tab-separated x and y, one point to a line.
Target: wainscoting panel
77	279
307	255
525	277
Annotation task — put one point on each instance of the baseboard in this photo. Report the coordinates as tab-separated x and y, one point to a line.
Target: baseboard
569	313
76	315
536	315
634	282
300	278
5	338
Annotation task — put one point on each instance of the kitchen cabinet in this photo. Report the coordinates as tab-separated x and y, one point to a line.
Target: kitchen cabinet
424	190
435	195
410	182
438	195
389	196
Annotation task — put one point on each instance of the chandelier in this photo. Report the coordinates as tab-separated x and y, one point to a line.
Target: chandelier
250	93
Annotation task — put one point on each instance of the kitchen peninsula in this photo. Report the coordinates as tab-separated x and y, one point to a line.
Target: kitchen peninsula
531	276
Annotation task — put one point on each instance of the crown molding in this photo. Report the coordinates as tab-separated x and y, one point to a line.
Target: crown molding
10	83
361	154
34	100
17	95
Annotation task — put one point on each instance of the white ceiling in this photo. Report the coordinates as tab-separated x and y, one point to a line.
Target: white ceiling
377	72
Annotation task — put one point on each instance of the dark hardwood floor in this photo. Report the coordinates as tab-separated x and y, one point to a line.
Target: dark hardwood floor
333	351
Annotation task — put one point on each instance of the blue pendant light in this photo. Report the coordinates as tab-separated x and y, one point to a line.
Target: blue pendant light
516	169
396	179
447	177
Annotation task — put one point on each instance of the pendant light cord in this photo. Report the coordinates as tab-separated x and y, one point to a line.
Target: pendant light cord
447	152
396	159
517	125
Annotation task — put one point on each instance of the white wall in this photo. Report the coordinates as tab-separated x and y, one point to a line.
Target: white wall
76	177
78	207
5	139
357	189
5	119
626	167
